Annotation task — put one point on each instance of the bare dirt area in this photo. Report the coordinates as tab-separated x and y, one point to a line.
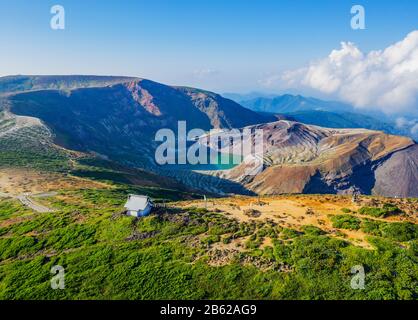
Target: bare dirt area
296	211
17	181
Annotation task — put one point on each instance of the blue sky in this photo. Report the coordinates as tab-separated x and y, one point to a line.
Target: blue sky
220	45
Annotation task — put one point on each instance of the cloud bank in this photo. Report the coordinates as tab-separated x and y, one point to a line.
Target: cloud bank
409	125
384	80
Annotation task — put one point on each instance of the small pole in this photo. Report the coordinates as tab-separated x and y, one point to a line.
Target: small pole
206	201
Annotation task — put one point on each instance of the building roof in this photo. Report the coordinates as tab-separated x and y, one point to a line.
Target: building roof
137	203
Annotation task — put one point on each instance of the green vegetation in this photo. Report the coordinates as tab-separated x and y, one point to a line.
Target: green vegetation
253	242
107	255
398	231
32	155
10	209
313	231
383	212
289	234
345	221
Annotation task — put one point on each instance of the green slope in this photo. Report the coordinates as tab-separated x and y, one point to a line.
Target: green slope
110	256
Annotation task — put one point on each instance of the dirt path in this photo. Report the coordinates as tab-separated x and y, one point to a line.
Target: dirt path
28	202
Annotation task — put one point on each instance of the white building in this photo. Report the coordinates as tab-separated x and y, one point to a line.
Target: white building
138	206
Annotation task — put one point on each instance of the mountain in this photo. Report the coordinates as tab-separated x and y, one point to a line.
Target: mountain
121	116
238	97
300	158
342	120
294	103
21	83
70	158
46	120
403	165
29	146
87	124
329	114
223	112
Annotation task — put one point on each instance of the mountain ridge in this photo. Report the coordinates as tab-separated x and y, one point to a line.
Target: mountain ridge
117	118
324	113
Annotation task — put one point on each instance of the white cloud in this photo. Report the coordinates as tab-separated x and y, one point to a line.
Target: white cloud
414	129
408	125
386	80
402	123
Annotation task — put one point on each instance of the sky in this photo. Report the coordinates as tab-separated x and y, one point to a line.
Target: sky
220	45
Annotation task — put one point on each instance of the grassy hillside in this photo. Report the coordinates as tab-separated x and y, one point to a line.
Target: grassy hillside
185	252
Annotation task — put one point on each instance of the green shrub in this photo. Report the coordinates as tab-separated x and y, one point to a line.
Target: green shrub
312	230
16	246
40	223
198	210
371	227
245	229
253	242
397	231
211	239
346	221
226	240
10	208
413	248
289	233
72	236
223	228
385	211
400	231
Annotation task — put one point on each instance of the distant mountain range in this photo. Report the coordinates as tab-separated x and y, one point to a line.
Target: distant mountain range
294	103
331	114
49	122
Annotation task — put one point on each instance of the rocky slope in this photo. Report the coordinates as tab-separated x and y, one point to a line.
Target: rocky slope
29	155
116	118
300	158
223	113
398	175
